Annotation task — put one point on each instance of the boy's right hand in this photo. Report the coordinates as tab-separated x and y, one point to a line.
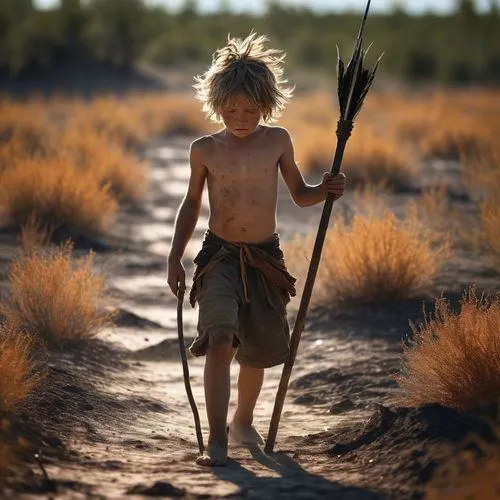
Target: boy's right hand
176	276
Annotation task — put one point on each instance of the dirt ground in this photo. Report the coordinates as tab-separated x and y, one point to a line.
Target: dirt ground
113	421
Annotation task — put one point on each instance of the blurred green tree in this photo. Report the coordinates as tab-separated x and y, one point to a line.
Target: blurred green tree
460	48
115	30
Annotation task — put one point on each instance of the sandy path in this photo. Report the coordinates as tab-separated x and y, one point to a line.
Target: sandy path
139	430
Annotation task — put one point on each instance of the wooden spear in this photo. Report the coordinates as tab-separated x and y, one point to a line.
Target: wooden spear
185	370
353	83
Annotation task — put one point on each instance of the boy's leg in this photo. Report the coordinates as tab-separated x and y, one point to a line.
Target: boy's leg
249	385
217	391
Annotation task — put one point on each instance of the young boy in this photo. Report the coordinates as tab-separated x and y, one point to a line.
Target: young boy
240	283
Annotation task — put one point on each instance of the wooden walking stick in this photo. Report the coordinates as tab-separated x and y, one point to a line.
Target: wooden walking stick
185	370
353	82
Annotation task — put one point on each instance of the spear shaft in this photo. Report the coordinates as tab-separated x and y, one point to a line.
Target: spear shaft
353	84
343	133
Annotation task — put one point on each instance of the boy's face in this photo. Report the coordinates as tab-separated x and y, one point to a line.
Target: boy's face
241	117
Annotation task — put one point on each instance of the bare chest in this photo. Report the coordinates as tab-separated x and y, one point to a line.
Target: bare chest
249	166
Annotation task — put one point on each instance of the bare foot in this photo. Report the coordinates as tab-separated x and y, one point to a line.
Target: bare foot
244	434
216	456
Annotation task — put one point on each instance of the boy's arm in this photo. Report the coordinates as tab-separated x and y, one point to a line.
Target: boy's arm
186	218
303	194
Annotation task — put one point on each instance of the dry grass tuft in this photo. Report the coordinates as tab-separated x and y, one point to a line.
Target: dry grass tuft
448	223
61	197
26	127
454	141
483	172
482	180
376	259
468	476
34	235
369	157
108	163
490	224
372	159
54	298
17	375
454	358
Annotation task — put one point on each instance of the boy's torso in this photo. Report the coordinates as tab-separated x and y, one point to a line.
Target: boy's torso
242	179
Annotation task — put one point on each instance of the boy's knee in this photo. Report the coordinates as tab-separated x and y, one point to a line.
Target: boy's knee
221	345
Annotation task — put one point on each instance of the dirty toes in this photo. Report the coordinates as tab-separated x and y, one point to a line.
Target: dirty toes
216	457
245	434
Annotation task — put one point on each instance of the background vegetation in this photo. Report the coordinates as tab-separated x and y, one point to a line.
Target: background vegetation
460	48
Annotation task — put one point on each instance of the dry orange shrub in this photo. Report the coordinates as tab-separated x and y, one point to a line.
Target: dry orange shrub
96	135
169	113
110	118
26	125
54	298
374	159
126	177
482	180
436	211
443	123
108	163
375	259
454	358
59	195
131	121
34	235
18	378
17	375
465	125
454	136
490	224
482	173
15	150
369	157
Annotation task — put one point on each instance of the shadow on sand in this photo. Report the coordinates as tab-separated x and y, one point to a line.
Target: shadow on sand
289	480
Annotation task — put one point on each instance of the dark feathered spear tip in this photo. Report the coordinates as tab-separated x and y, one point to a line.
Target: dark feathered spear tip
354	81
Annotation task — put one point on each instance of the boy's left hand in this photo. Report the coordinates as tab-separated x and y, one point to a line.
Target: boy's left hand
334	184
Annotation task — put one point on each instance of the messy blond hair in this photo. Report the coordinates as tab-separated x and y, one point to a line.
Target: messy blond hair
244	67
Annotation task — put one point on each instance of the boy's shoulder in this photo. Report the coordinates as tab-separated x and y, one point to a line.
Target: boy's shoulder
276	132
203	141
277	135
203	144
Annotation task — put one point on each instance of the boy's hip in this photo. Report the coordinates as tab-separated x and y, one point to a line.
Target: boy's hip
258	329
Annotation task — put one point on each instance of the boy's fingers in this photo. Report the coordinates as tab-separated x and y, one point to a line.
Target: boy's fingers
329	175
181	279
173	285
